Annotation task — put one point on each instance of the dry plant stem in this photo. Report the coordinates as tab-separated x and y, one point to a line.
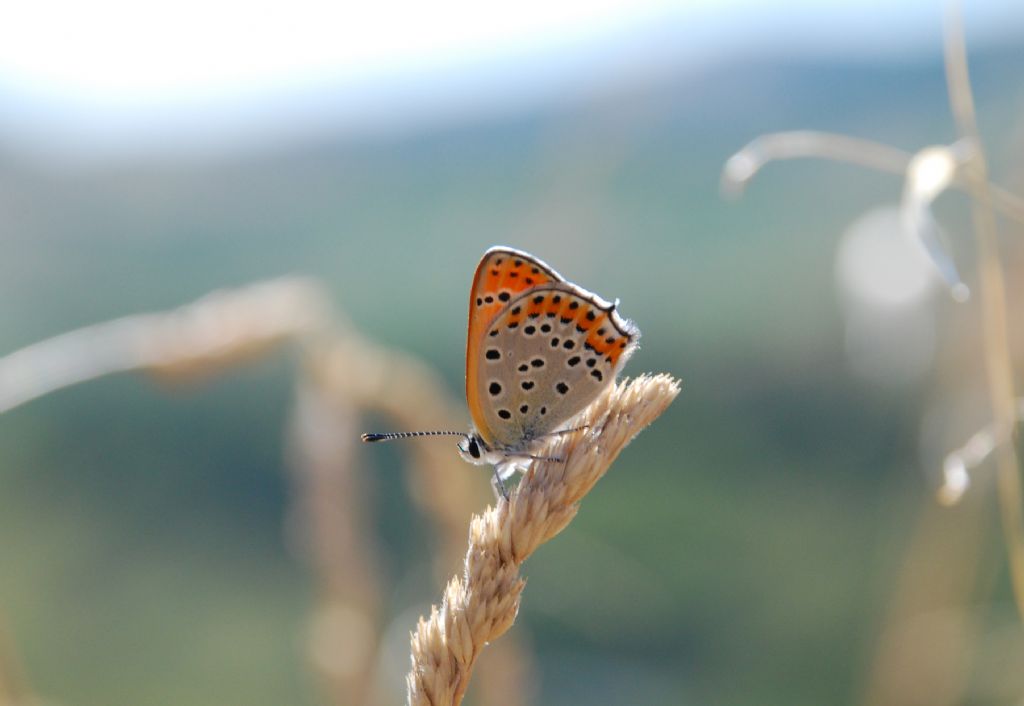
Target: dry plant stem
442	487
329	512
220	330
743	165
747	162
14	690
961	462
482	604
998	361
393	383
923	653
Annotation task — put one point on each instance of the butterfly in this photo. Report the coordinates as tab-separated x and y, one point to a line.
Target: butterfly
539	350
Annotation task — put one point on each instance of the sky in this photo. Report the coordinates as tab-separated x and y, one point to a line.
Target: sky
114	77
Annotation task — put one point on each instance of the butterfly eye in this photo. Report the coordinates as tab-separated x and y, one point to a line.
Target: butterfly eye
474	448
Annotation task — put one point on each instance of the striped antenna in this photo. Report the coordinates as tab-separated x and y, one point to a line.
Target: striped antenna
407	434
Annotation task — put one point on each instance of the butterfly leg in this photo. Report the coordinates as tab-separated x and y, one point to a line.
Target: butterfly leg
507	468
502	471
551	459
498	485
563	432
513	466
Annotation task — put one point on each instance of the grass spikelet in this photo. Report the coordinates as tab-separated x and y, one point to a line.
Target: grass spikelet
482	604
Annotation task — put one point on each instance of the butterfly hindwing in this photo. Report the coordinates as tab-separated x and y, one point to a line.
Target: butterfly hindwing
545	356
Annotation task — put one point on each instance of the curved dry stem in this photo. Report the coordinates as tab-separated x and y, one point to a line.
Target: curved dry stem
998	358
958	464
482	604
380	379
213	333
14	688
393	383
331	520
930	173
742	166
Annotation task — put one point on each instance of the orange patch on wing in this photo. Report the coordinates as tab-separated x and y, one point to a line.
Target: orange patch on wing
555	305
587	318
617	348
535	305
603	337
499	281
512	275
598	332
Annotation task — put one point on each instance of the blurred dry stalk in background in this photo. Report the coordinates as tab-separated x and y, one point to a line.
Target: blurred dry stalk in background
342	376
924	650
482	604
743	166
217	332
14	690
998	357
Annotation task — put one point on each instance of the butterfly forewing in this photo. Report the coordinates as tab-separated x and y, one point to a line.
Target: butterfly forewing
502	275
545	356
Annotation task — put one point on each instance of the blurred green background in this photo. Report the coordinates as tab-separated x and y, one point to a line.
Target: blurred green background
745	549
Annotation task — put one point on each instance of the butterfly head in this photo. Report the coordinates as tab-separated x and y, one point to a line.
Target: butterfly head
469	448
475	450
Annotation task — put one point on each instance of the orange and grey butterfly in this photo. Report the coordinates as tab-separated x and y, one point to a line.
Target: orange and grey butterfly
539	349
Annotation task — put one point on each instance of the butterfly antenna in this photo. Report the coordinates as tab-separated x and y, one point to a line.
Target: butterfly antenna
407	434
